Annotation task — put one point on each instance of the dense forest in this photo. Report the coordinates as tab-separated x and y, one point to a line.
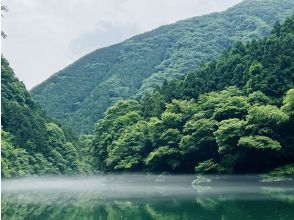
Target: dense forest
233	115
79	94
31	142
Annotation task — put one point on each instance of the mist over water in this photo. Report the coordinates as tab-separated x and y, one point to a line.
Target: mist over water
110	185
147	197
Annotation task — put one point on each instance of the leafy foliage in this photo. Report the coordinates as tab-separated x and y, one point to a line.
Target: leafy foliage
31	142
259	142
288	102
234	115
208	166
279	174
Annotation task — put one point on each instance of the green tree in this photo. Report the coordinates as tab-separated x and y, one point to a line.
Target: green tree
228	134
117	118
288	103
264	119
129	150
163	159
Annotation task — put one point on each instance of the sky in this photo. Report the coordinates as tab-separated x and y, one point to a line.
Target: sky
44	36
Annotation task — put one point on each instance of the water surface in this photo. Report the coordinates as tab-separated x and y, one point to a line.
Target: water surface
147	197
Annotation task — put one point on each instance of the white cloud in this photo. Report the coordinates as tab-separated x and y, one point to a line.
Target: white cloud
45	36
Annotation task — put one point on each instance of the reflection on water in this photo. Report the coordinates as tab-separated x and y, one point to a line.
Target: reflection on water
147	197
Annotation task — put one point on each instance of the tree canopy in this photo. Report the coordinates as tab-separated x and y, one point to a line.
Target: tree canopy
233	115
32	143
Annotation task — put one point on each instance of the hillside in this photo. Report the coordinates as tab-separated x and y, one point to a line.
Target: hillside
31	142
233	115
79	94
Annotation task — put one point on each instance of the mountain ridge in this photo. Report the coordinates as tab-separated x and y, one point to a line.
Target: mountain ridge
79	94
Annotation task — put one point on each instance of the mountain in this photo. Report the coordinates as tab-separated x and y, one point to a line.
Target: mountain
31	142
233	115
79	94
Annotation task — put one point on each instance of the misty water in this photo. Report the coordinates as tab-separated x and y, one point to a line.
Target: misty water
147	197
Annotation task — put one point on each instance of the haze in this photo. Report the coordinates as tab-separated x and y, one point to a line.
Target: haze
140	185
45	36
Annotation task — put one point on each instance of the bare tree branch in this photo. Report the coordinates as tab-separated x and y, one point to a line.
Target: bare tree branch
3	35
4	8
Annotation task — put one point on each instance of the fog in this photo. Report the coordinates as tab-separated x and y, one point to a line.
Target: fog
144	186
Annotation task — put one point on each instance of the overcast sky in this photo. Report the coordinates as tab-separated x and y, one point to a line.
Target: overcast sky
45	36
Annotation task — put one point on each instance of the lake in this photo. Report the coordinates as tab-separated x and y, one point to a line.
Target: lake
147	197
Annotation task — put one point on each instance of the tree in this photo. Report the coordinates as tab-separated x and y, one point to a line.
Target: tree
265	119
129	150
117	118
163	159
288	103
259	142
14	160
199	143
208	166
228	134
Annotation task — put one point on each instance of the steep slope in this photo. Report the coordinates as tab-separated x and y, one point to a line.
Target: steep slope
31	143
79	94
233	115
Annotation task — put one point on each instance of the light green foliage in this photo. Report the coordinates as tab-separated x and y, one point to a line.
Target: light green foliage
208	166
279	174
14	161
163	158
264	119
258	98
201	135
128	150
79	94
55	133
288	103
122	115
156	127
259	142
172	120
186	108
187	144
221	105
171	137
177	112
233	107
228	134
63	153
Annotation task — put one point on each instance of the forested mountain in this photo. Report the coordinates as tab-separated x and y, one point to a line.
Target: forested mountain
79	94
32	143
233	115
